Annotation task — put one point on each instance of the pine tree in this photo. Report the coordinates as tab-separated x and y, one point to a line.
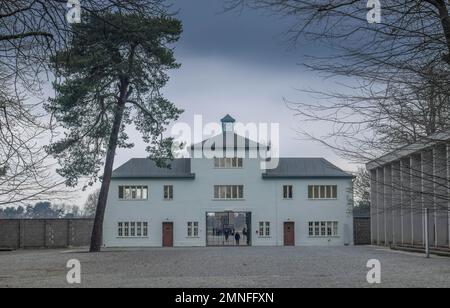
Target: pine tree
110	77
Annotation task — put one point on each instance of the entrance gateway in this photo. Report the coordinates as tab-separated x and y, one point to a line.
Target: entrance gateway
222	227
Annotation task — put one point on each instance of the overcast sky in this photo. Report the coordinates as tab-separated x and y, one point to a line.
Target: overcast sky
239	63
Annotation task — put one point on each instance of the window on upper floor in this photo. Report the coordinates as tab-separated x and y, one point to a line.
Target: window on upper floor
228	192
287	191
133	192
322	192
168	192
227	163
132	229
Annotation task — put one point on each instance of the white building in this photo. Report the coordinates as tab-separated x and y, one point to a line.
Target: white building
205	202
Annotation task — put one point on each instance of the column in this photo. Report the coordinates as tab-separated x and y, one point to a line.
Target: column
381	210
416	199
373	207
396	203
428	194
406	201
389	224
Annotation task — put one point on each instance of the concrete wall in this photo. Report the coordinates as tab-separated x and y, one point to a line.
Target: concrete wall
45	233
403	189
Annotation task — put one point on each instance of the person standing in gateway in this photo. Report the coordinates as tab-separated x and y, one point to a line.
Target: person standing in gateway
237	238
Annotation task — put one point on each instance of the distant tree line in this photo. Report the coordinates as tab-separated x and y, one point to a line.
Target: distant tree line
48	210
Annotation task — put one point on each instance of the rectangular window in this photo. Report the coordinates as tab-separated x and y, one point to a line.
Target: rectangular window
323	229
168	192
130	229
322	192
287	192
120	229
126	229
192	229
139	229
145	229
229	192
133	192
228	163
264	229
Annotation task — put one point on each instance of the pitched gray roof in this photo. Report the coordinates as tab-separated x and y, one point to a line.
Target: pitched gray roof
146	168
181	168
229	139
306	168
227	119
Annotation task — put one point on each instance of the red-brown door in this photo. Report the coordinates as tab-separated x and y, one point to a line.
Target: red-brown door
289	234
167	234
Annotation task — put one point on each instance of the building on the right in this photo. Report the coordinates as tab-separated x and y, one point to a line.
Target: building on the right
404	184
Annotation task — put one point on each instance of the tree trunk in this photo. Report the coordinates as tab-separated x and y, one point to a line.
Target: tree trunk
97	232
445	21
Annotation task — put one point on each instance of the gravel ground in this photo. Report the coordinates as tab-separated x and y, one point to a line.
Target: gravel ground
224	267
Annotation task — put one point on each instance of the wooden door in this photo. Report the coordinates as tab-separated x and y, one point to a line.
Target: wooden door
167	234
289	234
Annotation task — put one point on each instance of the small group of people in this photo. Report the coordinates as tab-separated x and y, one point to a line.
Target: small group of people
237	235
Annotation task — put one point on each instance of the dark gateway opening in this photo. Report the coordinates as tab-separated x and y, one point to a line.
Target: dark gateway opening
228	229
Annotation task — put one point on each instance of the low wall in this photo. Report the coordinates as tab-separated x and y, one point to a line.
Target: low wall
45	233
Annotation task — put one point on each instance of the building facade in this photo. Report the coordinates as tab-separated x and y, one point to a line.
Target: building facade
404	185
229	200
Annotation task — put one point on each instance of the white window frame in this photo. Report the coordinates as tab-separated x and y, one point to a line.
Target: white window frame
264	229
132	229
133	192
228	192
322	192
228	162
322	229
288	192
192	229
168	191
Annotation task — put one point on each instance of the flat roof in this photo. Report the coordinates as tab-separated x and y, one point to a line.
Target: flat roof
409	149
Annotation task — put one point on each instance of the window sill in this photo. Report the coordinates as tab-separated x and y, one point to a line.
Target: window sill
132	200
229	168
266	237
324	237
192	237
214	199
132	237
288	199
324	199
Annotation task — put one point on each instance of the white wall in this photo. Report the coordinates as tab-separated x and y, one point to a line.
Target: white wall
193	198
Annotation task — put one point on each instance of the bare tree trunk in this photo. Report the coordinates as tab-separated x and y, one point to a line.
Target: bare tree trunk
445	21
97	232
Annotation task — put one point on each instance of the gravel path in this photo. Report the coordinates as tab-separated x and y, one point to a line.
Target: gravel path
224	267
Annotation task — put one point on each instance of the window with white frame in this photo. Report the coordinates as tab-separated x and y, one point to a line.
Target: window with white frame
228	192
133	192
132	229
168	192
287	191
192	229
323	229
264	229
227	162
322	192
